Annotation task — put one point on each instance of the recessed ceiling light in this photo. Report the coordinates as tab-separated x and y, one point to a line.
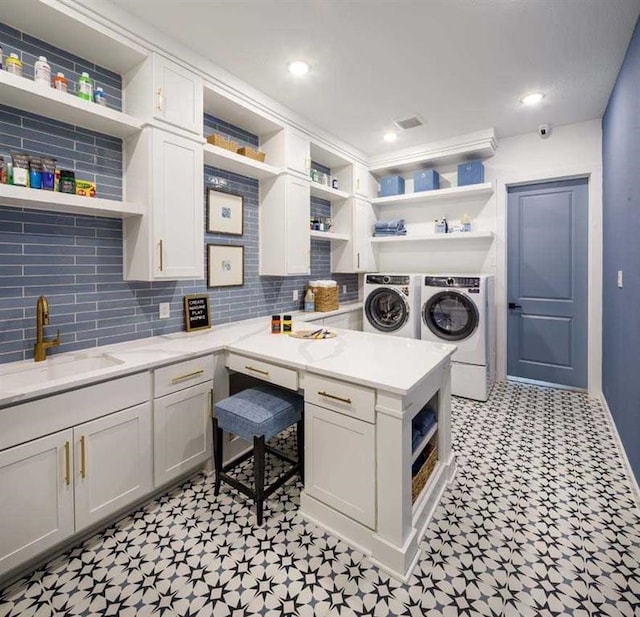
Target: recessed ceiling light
532	99
298	68
391	136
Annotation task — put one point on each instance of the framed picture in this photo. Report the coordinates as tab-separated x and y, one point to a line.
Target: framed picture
225	265
224	212
196	313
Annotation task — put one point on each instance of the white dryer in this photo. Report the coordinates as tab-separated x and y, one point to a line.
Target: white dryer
458	309
392	304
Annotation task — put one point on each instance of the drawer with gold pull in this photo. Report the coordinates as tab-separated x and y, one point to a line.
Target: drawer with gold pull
168	379
265	371
341	396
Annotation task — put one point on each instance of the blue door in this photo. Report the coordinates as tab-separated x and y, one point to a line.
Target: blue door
547	226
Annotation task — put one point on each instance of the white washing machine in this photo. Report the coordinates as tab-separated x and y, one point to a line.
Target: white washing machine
458	309
392	304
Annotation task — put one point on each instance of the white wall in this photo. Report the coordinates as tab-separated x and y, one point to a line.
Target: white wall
571	151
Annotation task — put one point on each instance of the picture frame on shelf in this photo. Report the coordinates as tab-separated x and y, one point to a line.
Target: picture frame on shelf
225	265
224	212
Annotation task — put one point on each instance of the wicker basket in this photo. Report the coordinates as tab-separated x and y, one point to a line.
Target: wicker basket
251	153
223	142
326	298
420	479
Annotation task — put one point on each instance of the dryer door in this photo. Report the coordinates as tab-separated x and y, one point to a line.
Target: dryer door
386	309
450	315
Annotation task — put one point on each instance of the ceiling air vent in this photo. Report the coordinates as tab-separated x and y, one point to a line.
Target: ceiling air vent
409	123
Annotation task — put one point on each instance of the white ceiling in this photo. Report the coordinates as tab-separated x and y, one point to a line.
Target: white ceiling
460	64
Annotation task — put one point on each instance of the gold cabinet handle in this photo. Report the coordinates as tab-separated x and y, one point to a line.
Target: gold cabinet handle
187	376
161	244
335	398
83	453
256	370
211	402
67	463
160	100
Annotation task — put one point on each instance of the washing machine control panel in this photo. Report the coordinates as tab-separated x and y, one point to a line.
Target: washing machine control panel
388	279
452	281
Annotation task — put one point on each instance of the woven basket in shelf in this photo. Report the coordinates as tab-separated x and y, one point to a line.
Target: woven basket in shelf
420	479
326	298
256	155
223	142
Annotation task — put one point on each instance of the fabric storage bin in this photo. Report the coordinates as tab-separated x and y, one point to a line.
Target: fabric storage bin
426	180
471	172
391	185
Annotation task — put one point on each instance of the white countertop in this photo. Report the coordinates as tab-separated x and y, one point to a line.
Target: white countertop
391	363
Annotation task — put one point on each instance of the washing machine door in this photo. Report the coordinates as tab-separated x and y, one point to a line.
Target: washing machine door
450	315
386	309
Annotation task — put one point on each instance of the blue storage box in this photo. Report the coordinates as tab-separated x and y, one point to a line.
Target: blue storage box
391	185
426	180
471	172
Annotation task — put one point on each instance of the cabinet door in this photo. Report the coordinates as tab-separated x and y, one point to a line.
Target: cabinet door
297	152
178	95
340	462
177	178
297	237
364	220
364	183
113	463
181	432
36	498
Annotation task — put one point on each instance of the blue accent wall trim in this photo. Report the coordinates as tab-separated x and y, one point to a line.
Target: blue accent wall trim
621	238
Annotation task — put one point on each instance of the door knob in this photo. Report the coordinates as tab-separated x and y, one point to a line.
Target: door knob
513	305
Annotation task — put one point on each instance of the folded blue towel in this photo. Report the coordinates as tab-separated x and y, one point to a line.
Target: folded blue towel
390	232
389	224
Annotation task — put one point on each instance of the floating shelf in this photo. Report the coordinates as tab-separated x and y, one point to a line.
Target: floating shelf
423	442
328	235
237	163
26	95
457	192
35	199
326	192
459	236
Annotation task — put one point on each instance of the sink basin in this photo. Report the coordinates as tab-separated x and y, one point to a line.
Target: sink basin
55	368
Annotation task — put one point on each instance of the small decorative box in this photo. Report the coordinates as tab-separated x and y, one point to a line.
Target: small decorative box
471	172
426	180
391	185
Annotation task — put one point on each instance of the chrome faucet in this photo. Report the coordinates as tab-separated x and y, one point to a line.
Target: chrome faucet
42	319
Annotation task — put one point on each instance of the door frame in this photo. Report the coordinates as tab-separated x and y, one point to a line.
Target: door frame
594	262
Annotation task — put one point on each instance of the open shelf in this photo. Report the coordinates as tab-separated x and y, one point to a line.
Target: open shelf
237	163
326	192
328	235
425	440
457	192
26	95
36	199
453	237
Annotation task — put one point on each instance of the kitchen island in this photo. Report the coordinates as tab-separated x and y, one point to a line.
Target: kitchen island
361	391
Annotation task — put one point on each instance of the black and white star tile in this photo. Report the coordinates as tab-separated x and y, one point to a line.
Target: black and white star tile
540	521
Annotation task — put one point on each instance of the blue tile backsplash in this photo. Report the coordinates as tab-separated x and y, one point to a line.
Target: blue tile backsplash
76	261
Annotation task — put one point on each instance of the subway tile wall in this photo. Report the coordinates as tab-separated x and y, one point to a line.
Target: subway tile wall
76	261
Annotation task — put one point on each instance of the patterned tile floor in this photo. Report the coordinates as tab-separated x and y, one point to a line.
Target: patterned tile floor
539	521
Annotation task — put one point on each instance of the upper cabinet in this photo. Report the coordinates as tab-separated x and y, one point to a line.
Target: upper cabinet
297	151
364	182
164	171
160	89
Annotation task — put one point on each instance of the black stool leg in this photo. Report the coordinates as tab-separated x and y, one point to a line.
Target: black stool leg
217	454
258	472
300	444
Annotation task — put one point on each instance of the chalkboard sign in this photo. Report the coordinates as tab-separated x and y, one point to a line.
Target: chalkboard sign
196	313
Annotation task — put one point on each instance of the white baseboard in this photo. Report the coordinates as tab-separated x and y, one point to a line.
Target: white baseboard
635	488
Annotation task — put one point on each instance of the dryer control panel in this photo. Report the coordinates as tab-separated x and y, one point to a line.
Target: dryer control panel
452	281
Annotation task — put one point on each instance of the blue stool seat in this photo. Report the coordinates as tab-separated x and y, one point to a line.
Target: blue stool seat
257	414
264	410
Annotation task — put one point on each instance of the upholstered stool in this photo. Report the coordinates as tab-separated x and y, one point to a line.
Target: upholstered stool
258	414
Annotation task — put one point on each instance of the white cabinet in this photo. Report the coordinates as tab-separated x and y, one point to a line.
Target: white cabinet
364	183
163	90
36	498
357	255
164	171
182	418
340	463
112	463
297	151
284	226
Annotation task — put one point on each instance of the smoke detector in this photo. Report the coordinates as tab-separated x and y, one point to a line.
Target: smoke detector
409	123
